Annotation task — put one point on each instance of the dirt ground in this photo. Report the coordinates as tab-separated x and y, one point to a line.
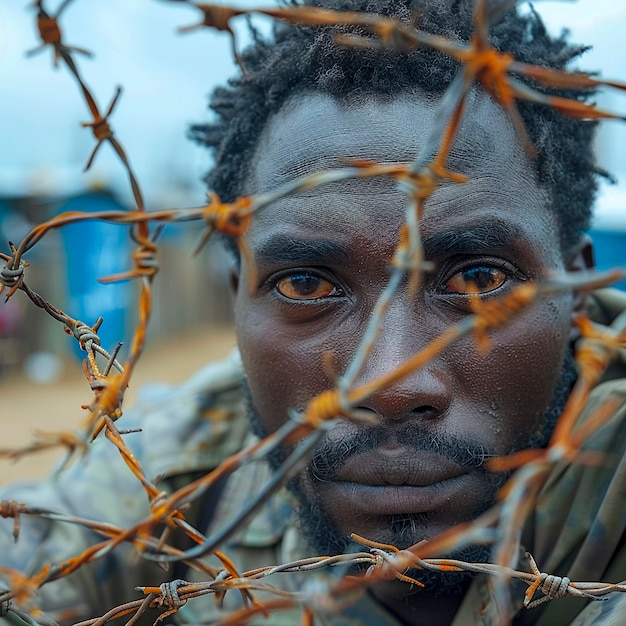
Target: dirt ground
26	407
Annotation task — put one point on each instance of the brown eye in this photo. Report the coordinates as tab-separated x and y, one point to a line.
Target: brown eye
476	280
305	286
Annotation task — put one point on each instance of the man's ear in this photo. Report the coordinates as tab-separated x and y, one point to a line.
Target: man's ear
580	259
233	278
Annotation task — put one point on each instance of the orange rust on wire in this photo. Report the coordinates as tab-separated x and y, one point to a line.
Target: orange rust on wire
49	30
563	80
325	406
231	568
109	394
514	461
100	126
430	351
438	167
50	33
552	586
218	17
493	313
24	587
490	67
44	441
214	16
385	568
228	564
425	181
592	424
12	509
446	565
113	435
230	219
373	544
593	355
580	110
144	261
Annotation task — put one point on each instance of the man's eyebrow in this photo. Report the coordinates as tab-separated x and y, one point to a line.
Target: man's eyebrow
284	249
480	238
489	237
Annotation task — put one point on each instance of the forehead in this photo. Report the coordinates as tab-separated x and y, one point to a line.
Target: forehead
315	131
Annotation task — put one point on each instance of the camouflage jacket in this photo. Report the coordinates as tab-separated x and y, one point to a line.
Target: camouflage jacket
577	528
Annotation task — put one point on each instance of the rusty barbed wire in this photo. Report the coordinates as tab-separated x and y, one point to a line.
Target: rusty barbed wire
383	561
481	64
50	33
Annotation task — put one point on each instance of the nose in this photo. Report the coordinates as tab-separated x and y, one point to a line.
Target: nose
424	393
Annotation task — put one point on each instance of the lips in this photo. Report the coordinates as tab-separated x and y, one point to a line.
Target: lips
399	467
398	481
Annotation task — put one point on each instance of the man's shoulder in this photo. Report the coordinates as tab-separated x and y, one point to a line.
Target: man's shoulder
607	307
193	426
187	428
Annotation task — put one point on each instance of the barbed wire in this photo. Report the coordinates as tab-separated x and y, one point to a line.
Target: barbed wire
496	72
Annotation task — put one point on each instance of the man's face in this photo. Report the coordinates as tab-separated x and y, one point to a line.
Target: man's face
322	259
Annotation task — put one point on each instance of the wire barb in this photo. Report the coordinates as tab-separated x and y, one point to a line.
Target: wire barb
50	34
5	606
12	273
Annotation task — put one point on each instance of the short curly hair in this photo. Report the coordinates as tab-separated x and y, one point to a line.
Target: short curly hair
305	59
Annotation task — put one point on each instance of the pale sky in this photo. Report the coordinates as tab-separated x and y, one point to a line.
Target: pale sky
166	79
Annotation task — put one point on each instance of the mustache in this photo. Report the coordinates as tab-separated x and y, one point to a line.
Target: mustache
330	456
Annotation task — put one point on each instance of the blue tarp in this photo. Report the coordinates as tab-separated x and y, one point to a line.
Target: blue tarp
96	249
610	251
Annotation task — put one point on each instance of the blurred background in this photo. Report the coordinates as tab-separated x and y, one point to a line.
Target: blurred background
166	78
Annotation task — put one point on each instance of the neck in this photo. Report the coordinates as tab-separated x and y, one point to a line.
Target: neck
421	607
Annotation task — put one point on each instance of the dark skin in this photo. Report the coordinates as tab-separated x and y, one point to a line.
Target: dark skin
322	260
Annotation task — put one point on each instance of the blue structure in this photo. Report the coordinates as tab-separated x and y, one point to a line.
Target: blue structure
96	249
610	250
609	229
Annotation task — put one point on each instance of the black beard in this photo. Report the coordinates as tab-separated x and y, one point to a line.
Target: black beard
406	529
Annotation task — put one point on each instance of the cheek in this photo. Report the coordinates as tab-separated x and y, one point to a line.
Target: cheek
284	362
510	387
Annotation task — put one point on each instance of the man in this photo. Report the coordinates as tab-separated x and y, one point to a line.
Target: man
321	259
